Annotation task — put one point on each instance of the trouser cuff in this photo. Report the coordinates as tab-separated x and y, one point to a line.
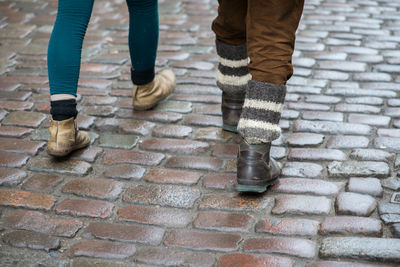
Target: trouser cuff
233	73
63	109
261	113
142	77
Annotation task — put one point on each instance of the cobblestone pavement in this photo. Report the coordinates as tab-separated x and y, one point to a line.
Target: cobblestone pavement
156	187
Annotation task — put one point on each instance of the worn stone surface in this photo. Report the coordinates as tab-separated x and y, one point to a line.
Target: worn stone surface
375	249
163	181
348	203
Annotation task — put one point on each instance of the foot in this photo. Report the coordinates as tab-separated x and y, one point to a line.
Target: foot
148	95
65	137
255	169
231	109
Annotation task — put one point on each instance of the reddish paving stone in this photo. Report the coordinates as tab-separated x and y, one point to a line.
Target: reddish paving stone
223	221
14	131
316	154
43	223
174	145
42	182
348	203
177	131
253	260
290	246
278	226
125	171
32	240
25	79
301	205
199	163
17	198
173	257
72	167
151	115
226	181
351	225
137	157
132	126
88	154
225	150
342	264
20	145
200	240
203	120
11	177
88	208
155	215
235	202
212	134
164	195
101	249
98	188
16	105
305	139
370	186
313	186
150	235
208	99
166	176
24	118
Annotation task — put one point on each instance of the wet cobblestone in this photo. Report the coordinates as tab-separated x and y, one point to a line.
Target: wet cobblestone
157	188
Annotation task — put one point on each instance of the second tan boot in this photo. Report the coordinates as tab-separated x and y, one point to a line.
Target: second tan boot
65	137
148	95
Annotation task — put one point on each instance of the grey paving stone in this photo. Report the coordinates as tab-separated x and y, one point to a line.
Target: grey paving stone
376	249
348	203
358	169
302	169
370	186
331	127
347	141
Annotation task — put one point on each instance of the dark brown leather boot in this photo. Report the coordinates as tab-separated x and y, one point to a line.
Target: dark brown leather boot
231	109
255	169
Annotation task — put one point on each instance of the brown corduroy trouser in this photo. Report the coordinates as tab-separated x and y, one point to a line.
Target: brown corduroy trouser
269	29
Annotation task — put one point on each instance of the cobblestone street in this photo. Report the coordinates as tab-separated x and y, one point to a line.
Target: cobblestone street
156	188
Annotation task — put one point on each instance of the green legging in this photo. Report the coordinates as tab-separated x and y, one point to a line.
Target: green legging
65	46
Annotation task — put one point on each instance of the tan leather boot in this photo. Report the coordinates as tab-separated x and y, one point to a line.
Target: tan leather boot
65	137
148	95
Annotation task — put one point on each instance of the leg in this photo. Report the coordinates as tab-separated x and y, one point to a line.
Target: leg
149	89
232	73
271	28
64	58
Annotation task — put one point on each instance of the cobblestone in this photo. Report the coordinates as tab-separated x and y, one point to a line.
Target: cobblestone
165	178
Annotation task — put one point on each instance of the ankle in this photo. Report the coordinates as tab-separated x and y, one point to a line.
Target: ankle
63	109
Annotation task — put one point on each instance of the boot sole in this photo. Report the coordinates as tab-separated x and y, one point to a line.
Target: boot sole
229	128
255	188
64	153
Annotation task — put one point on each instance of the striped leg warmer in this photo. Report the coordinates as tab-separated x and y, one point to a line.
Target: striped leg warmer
233	73
259	122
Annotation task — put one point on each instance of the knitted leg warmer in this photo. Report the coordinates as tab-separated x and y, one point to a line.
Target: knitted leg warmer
259	122
233	73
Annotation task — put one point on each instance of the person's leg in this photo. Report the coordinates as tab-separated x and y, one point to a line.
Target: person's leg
64	58
149	89
232	74
271	27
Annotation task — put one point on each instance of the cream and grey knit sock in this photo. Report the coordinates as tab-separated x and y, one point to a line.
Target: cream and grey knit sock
233	73
259	122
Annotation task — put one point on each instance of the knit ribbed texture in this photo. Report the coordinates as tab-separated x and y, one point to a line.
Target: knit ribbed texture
233	73
259	122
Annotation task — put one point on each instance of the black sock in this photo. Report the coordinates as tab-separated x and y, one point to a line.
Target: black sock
142	77
63	109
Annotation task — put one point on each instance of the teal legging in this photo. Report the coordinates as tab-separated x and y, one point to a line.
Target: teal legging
65	46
